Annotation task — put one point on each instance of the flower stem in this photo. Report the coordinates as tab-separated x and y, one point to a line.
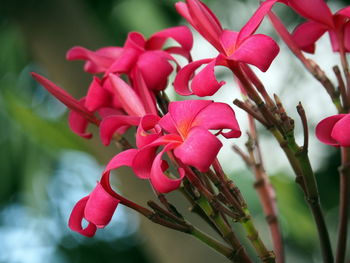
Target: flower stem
344	171
265	191
239	253
213	243
265	255
309	186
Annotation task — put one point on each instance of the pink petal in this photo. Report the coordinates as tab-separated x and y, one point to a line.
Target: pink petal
334	40
111	124
250	27
181	34
143	160
324	129
316	10
97	97
184	113
347	37
182	9
199	149
306	34
98	61
205	22
179	51
59	93
128	98
155	69
124	158
147	131
344	12
76	218
228	41
258	50
100	207
341	131
218	116
286	36
135	40
125	62
183	77
168	124
161	182
145	94
78	124
204	83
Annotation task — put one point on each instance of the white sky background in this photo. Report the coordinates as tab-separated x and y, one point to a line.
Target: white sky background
286	77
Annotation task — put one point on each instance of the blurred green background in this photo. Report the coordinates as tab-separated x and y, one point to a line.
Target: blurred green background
45	169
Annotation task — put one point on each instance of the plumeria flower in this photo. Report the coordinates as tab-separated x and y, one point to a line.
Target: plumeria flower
99	206
335	130
114	101
138	54
320	20
234	48
187	138
79	116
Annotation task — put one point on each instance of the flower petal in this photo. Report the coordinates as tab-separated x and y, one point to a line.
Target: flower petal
324	129
181	34
111	124
228	40
124	158
155	68
205	22
199	149
128	98
78	124
253	23
97	97
161	182
76	218
306	34
258	50
347	36
142	163
316	10
218	116
341	131
97	61
184	113
145	94
204	83
100	207
183	77
60	94
147	131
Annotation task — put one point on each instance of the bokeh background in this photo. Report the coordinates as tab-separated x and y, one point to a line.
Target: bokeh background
45	168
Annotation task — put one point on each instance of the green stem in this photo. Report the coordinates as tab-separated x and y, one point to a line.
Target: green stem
213	243
265	255
302	165
344	201
239	253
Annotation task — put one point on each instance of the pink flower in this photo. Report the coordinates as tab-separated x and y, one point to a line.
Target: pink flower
335	130
234	47
139	54
79	116
320	20
98	207
187	136
117	103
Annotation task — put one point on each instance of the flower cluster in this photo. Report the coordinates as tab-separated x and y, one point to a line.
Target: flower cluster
127	89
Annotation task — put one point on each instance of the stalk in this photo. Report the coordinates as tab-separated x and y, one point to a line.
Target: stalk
266	193
344	200
265	255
